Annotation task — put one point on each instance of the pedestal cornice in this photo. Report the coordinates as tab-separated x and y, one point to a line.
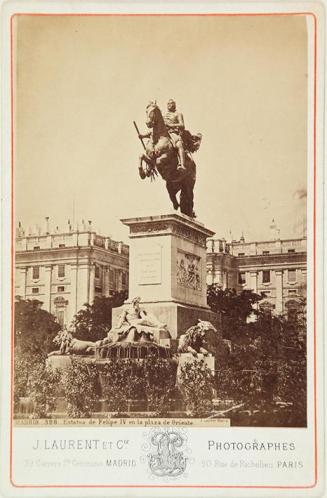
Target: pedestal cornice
169	224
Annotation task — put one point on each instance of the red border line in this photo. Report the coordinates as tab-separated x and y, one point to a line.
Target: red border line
163	14
315	249
314	242
12	238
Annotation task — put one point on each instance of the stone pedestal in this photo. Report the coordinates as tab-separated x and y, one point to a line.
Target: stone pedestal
59	362
168	269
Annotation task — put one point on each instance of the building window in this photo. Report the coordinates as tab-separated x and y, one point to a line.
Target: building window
291	250
241	278
60	288
36	272
98	289
36	248
61	271
292	276
97	271
241	254
265	253
292	292
62	245
266	276
35	290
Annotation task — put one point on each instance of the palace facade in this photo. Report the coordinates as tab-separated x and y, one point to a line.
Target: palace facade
276	267
65	269
69	268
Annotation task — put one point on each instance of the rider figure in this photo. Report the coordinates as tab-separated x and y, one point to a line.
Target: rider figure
175	124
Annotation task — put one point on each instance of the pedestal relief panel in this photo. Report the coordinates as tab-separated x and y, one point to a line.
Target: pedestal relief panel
188	271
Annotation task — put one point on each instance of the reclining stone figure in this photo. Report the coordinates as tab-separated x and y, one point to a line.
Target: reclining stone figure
135	325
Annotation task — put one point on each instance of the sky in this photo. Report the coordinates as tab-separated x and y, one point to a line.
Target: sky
79	83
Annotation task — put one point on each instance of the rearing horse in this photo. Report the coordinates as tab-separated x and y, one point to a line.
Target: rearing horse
160	155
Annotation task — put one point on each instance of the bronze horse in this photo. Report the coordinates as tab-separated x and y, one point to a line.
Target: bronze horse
160	155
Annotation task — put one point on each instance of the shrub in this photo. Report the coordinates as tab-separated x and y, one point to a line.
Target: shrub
41	389
151	380
160	381
21	374
122	381
238	385
80	384
196	386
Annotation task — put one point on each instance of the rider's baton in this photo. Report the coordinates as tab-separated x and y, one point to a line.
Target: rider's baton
136	128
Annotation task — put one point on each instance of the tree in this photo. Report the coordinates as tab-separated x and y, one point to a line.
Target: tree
35	329
231	304
292	369
93	321
234	310
266	367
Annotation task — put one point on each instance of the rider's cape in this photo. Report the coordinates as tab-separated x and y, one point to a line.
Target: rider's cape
191	142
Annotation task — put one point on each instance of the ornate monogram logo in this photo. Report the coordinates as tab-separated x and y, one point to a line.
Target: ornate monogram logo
167	461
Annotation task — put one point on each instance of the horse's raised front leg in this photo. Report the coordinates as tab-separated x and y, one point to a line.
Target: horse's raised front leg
150	165
143	173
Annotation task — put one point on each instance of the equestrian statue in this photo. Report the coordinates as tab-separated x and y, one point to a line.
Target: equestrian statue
169	151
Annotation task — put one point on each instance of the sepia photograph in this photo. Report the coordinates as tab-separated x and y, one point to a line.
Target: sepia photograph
162	246
160	210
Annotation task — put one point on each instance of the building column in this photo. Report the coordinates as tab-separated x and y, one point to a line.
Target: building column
254	281
217	277
72	307
22	281
247	280
81	284
279	291
120	280
91	283
106	286
47	287
303	283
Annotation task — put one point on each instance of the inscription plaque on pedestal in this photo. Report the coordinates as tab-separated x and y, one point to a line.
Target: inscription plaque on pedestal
149	267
